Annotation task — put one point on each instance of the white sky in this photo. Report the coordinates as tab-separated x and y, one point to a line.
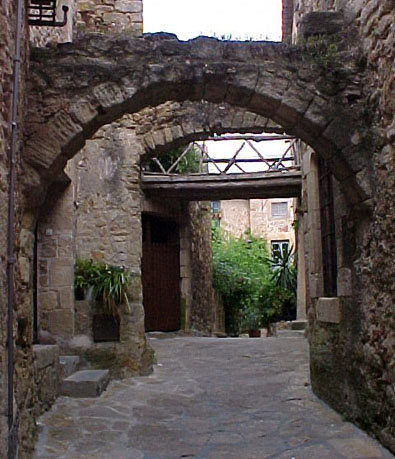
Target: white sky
225	19
226	149
256	19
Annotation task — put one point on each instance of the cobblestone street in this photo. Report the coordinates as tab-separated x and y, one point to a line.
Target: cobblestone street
234	398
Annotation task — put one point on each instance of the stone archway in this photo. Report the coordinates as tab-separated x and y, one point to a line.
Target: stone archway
79	87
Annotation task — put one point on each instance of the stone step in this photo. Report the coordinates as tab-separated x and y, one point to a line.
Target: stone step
86	383
68	365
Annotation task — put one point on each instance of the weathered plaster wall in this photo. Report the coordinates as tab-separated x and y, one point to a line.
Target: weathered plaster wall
352	363
235	216
272	228
239	216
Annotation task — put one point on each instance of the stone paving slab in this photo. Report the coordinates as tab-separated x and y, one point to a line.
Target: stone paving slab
208	398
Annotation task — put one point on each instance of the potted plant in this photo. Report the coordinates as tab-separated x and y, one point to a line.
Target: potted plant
109	284
252	320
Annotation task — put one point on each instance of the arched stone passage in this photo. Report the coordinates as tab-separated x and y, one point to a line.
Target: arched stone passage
176	123
76	88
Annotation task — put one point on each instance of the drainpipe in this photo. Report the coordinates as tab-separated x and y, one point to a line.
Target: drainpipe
11	235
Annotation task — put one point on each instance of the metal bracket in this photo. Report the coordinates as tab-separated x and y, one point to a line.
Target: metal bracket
43	13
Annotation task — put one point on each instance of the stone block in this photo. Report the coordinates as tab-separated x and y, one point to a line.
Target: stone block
328	310
45	355
321	22
68	365
344	285
48	249
127	6
61	272
61	323
48	301
66	297
86	383
299	324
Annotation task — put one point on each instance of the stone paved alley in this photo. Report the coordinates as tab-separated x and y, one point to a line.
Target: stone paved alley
208	398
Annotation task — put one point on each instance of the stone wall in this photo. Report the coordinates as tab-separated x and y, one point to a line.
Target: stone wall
107	212
23	392
6	50
352	362
46	376
239	216
203	313
109	16
55	262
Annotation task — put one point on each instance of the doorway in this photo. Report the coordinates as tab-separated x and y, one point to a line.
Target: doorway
161	274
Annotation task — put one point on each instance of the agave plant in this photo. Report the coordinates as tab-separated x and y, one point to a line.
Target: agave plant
109	283
110	288
284	272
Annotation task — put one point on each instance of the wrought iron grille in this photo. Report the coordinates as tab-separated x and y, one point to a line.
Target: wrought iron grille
43	13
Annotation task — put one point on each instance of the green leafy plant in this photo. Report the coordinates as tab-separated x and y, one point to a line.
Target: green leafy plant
190	163
242	277
109	283
284	274
323	51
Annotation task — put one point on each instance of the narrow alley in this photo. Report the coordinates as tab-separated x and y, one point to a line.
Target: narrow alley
208	398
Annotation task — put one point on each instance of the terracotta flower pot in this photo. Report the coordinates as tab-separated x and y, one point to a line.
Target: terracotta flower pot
254	333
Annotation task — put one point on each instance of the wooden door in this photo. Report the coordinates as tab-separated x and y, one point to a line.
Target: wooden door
161	274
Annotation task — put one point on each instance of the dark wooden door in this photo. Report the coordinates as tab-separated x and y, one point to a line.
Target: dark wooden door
161	274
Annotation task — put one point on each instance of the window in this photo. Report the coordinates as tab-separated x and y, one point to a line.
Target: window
328	235
279	209
278	248
215	206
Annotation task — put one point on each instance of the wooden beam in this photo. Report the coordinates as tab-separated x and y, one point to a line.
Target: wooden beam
255	138
221	187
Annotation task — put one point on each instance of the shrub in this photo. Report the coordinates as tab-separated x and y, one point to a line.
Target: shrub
242	276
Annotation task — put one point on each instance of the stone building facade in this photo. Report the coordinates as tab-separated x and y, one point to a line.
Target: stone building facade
261	217
351	332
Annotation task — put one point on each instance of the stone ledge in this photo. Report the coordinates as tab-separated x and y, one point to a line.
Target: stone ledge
328	310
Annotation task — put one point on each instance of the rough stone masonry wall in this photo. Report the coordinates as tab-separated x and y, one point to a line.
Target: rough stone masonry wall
203	311
24	394
107	198
6	50
109	16
363	389
55	262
